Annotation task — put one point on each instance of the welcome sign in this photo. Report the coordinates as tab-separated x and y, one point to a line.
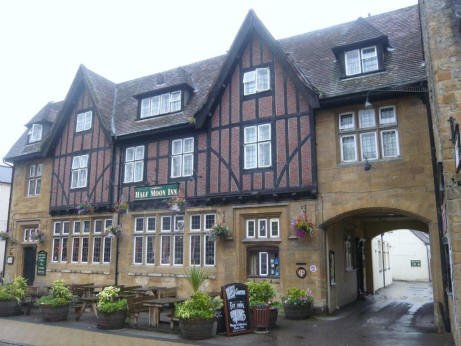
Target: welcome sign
155	192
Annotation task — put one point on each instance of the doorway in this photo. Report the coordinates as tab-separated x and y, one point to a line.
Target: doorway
29	264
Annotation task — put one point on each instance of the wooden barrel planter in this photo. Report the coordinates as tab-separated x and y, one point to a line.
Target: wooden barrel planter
54	313
9	307
113	320
196	329
297	312
260	318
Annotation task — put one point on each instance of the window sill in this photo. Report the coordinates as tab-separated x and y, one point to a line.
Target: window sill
361	75
262	240
371	162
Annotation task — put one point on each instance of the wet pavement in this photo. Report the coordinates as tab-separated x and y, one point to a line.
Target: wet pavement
399	315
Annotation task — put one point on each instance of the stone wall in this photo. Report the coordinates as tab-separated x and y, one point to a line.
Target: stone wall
442	47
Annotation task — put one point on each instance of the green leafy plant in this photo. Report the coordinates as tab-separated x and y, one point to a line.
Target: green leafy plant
109	300
4	235
14	290
262	293
199	306
297	296
59	295
176	201
196	277
217	303
219	229
120	207
303	226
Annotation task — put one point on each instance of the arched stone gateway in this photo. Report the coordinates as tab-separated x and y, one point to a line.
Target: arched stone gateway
349	258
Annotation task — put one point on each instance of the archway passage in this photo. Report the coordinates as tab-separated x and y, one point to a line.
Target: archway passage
349	244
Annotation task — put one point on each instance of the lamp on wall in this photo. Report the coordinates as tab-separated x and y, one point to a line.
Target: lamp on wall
368	104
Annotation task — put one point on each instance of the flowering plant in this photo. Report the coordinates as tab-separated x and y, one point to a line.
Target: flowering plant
38	235
113	230
120	207
302	226
109	300
85	208
219	229
176	201
297	296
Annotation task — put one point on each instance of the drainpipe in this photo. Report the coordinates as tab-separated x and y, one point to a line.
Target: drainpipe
119	188
8	219
384	268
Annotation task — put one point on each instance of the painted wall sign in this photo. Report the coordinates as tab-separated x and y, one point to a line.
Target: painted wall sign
10	259
301	272
236	308
154	192
313	268
41	262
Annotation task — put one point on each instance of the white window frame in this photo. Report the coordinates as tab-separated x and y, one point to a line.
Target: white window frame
94	226
200	249
395	116
267	263
161	226
128	179
61	243
346	128
73	229
361	59
257	143
204	221
265	227
78	251
254	228
68	227
256	89
81	249
205	252
35	133
150	235
176	230
277	220
376	146
35	175
80	170
148	110
142	249
360	119
82	222
341	147
84	121
161	249
52	249
182	157
104	250
174	249
135	225
100	249
200	227
54	228
397	143
147	224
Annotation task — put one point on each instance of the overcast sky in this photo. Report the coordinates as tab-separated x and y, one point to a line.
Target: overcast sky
42	43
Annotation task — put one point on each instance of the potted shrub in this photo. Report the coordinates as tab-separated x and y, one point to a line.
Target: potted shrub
121	207
219	230
113	231
175	203
11	295
260	294
197	316
111	309
55	306
298	303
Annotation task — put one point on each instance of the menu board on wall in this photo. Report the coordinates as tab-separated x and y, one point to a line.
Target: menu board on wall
236	308
41	262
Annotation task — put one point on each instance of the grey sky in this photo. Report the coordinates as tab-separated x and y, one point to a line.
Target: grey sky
43	42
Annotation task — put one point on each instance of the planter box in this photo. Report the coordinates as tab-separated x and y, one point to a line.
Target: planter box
297	312
261	318
273	315
114	320
9	307
54	313
197	329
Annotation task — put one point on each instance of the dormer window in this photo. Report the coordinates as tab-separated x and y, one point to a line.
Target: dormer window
362	60
84	121
161	104
35	133
256	81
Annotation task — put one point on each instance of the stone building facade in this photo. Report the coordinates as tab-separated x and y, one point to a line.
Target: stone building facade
440	21
330	125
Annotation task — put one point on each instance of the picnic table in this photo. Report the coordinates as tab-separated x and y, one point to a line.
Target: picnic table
89	300
157	305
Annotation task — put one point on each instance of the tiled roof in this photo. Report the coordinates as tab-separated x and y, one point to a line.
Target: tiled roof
47	113
309	54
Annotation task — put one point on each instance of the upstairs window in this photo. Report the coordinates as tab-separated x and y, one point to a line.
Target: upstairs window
161	104
257	146
134	164
359	61
256	81
182	157
35	133
34	183
79	171
84	121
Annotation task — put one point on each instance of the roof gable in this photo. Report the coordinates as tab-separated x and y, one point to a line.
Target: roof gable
252	25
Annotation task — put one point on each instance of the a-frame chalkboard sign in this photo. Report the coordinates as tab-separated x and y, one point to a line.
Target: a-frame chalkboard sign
236	309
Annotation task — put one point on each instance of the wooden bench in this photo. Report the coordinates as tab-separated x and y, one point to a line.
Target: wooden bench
135	306
167	292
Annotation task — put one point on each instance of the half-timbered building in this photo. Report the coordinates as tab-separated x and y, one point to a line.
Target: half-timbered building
330	124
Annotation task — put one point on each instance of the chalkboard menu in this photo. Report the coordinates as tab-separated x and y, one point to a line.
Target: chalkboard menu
236	308
41	262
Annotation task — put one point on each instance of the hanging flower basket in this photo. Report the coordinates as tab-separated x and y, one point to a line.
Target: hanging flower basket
175	203
303	226
4	236
219	230
113	231
38	236
121	207
85	208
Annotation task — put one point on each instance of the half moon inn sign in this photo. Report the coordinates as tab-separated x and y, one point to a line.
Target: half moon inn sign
154	192
236	308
